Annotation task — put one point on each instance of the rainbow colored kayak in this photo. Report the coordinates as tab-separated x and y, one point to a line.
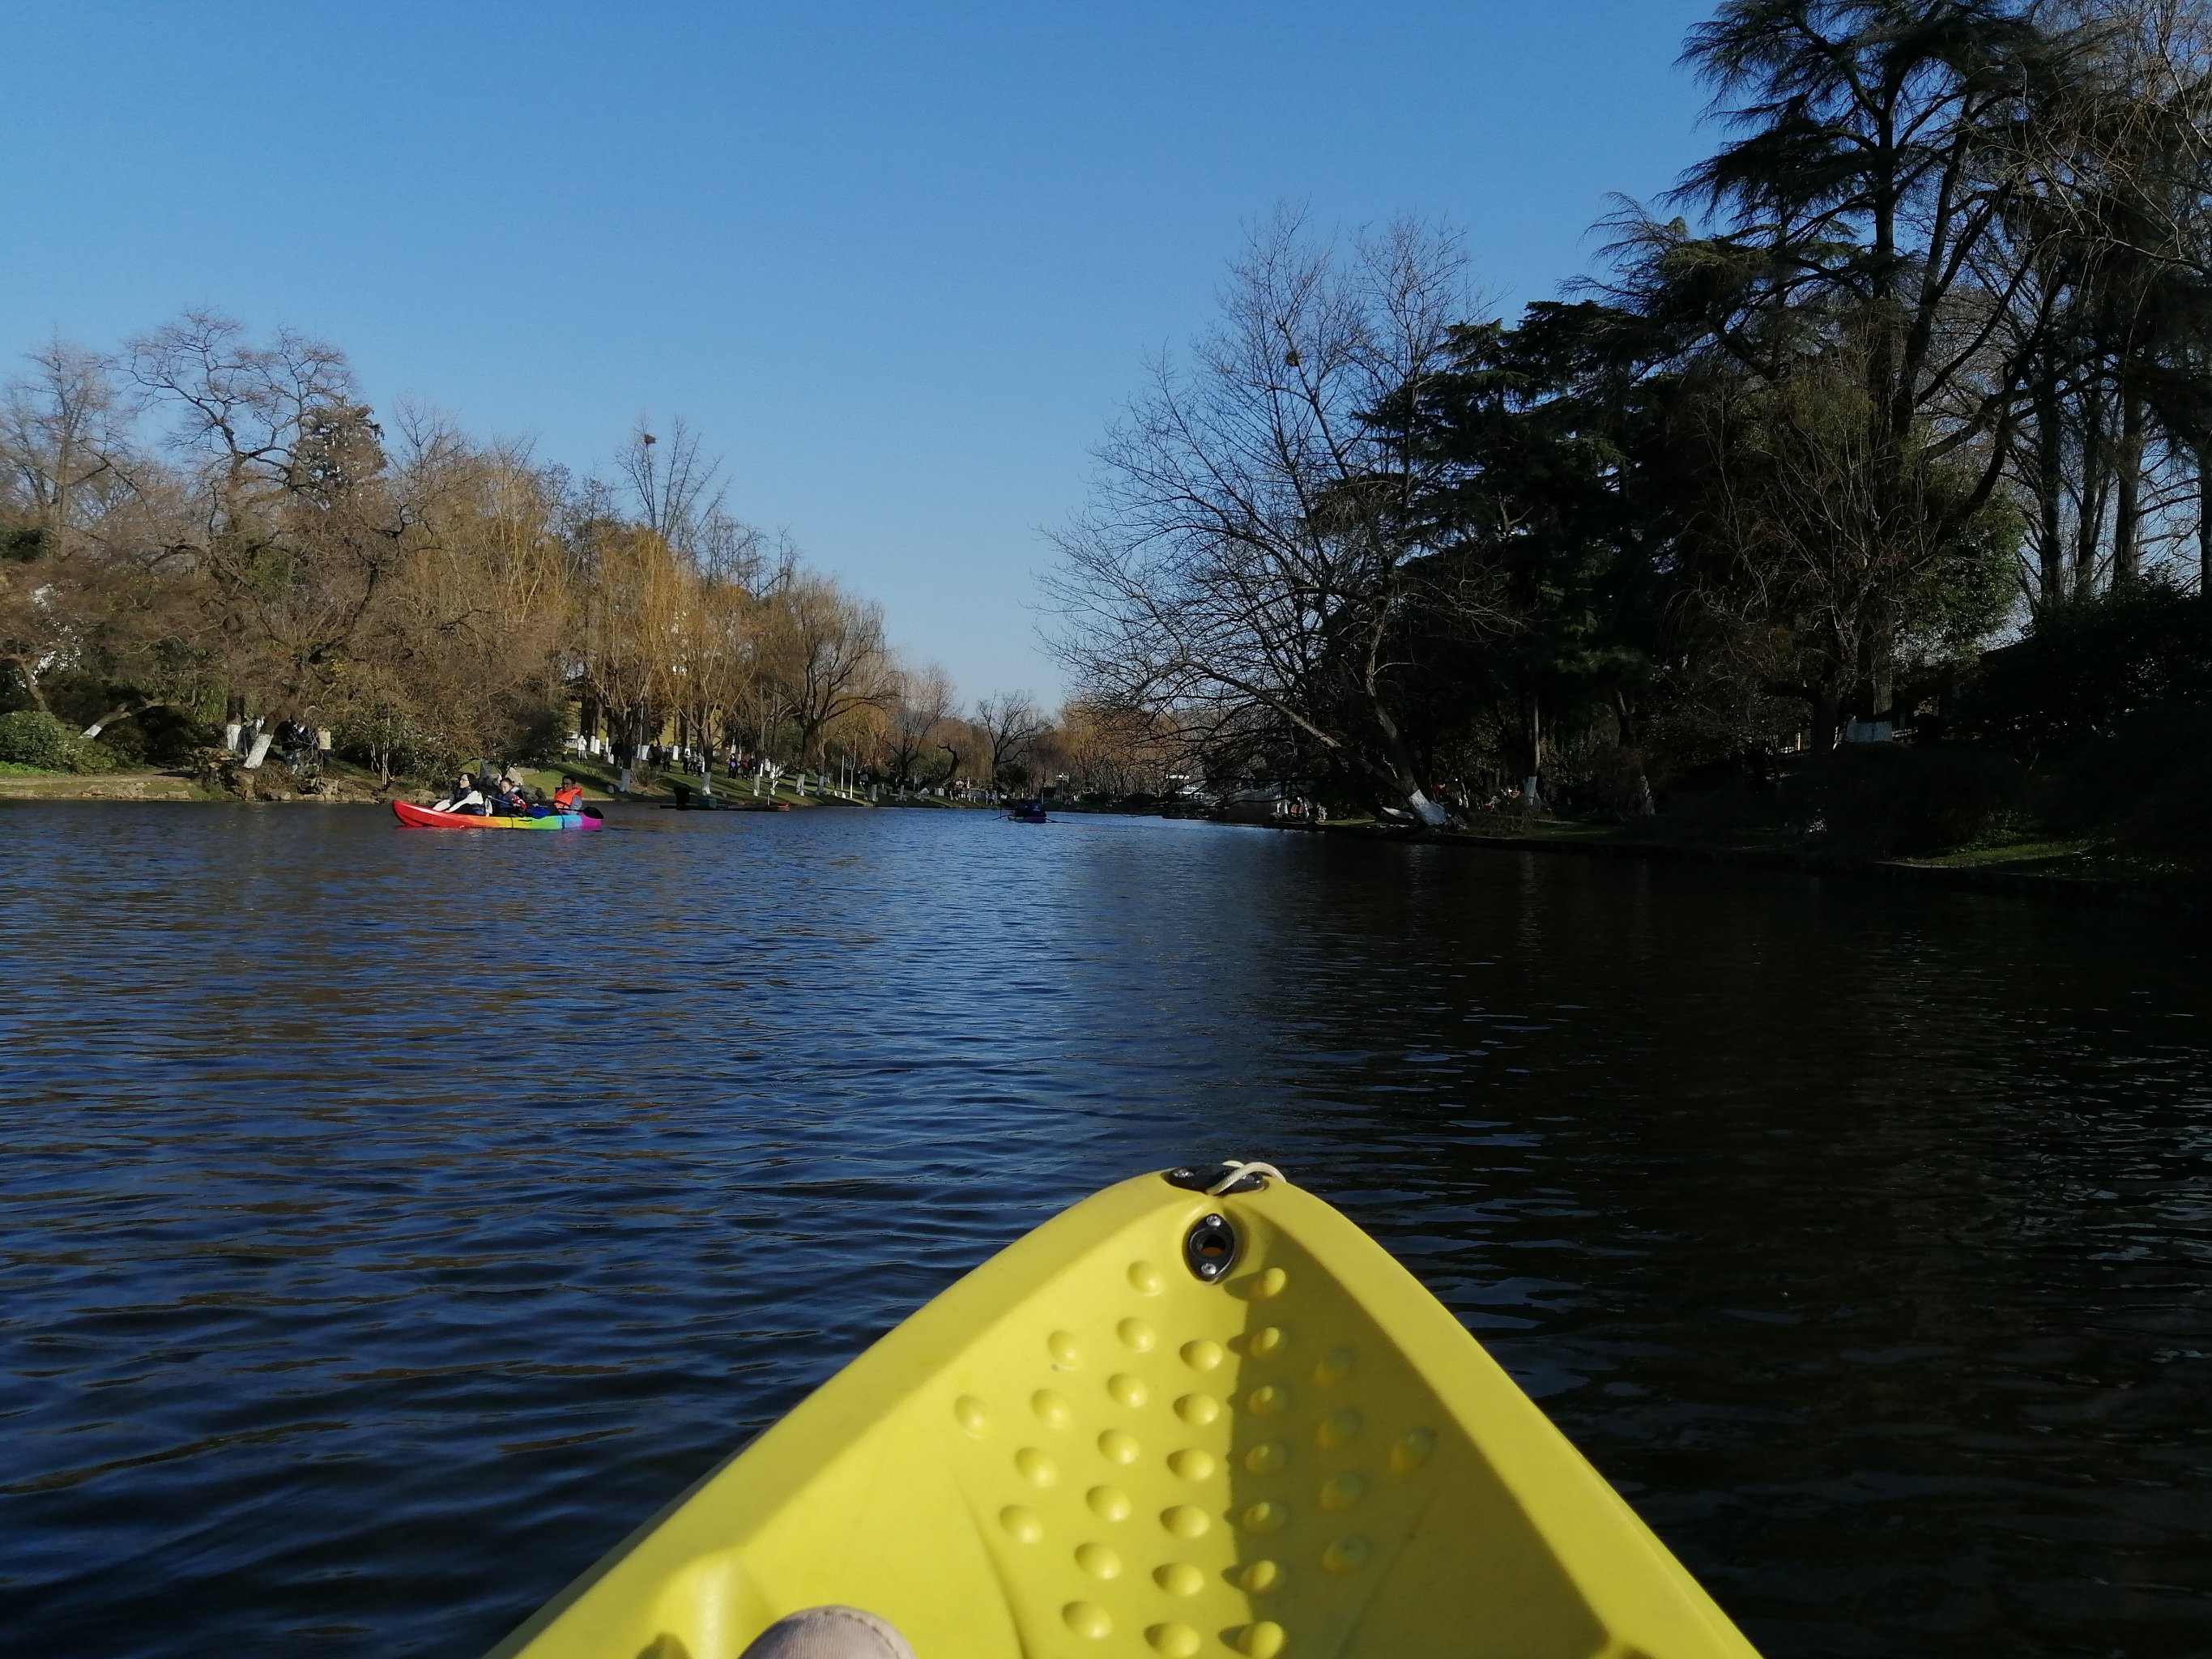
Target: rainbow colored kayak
421	818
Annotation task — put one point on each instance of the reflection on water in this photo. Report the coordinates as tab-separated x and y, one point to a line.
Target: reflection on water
390	1220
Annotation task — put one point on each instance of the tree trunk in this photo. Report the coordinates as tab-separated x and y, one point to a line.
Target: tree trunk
122	712
1532	747
1827	716
1534	721
29	677
2089	513
1398	767
2205	522
1881	666
2050	497
2127	515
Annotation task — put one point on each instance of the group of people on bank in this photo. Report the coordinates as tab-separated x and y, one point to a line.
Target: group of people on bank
506	797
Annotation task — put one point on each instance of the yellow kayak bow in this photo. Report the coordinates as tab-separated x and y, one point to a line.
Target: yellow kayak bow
1168	1421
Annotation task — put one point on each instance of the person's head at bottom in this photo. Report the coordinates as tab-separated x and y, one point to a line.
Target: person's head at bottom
832	1632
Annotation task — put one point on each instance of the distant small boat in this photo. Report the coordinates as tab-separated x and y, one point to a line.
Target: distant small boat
1028	811
421	818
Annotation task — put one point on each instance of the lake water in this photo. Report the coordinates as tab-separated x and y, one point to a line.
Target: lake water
390	1220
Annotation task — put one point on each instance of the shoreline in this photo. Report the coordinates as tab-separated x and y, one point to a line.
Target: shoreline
343	789
111	786
2145	891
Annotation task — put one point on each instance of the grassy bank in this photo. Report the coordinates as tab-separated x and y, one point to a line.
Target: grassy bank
2027	863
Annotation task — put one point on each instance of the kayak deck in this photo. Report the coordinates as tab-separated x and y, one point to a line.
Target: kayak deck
1085	1448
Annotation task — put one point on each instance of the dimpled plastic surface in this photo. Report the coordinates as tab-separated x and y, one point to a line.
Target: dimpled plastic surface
1080	1450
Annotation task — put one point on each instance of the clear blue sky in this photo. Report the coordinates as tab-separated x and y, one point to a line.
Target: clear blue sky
900	263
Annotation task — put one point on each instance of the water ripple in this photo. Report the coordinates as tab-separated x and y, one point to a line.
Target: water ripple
391	1220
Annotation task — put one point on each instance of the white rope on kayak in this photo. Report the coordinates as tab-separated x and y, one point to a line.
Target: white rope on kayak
1237	1169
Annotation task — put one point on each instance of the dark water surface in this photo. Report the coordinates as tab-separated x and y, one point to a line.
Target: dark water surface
389	1220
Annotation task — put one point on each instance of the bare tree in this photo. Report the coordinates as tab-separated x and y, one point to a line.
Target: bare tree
633	595
1008	723
1113	751
67	472
302	530
1257	523
957	741
921	701
676	488
476	639
824	651
284	551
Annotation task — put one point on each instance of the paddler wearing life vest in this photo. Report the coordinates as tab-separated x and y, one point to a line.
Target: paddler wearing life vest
508	799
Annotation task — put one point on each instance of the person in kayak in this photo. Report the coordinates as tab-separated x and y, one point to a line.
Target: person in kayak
569	796
465	798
